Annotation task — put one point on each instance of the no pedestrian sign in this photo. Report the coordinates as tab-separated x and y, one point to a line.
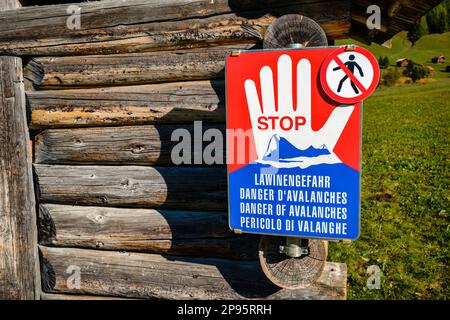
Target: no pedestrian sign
349	76
294	140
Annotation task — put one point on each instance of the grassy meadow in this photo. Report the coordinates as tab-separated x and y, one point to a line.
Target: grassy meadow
405	225
425	48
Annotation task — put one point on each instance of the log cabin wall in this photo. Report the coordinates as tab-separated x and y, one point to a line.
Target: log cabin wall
102	101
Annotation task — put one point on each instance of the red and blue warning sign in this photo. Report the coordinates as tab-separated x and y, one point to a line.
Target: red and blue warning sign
294	140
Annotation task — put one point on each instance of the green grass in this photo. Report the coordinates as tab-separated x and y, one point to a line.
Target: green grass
405	226
422	52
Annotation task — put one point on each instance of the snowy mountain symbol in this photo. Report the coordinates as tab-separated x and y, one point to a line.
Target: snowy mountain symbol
280	153
280	148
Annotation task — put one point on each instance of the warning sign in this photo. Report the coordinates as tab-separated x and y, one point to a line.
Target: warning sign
349	76
294	153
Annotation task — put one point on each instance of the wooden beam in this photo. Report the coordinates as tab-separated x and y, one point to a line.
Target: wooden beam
360	16
136	275
393	8
63	225
176	102
108	27
187	233
55	296
140	145
135	68
19	271
200	188
396	16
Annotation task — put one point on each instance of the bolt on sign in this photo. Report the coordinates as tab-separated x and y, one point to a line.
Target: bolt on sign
294	140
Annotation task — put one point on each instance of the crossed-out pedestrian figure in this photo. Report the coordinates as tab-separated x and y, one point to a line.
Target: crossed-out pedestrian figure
351	64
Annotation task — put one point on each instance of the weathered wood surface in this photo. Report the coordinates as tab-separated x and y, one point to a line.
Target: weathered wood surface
292	273
104	227
18	236
243	247
56	296
190	188
6	5
176	102
193	233
137	275
141	145
190	233
132	68
108	27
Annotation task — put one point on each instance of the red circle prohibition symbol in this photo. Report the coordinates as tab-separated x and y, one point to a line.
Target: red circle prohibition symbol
364	91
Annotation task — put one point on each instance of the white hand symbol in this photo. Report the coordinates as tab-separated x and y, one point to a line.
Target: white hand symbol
304	136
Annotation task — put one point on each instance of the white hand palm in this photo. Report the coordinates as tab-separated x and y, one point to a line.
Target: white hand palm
304	137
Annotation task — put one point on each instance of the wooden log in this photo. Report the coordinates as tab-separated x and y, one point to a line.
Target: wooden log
141	145
55	296
132	68
19	271
243	247
187	233
109	228
177	102
194	188
108	27
137	275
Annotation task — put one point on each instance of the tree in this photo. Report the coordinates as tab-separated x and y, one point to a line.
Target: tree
386	62
391	77
416	71
437	19
383	62
418	30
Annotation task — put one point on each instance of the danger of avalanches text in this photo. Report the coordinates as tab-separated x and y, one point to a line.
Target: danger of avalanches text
306	205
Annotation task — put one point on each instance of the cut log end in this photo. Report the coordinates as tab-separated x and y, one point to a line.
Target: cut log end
294	29
292	273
